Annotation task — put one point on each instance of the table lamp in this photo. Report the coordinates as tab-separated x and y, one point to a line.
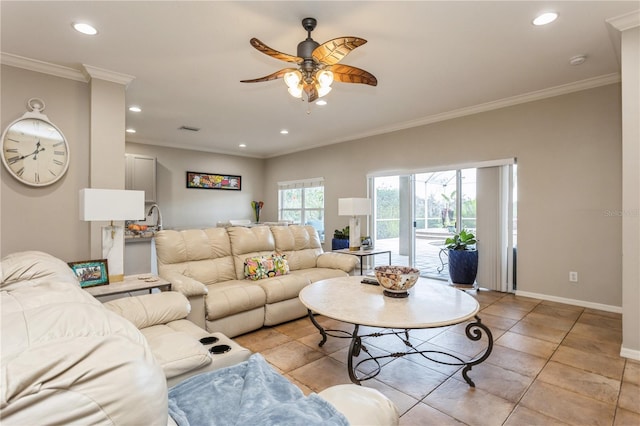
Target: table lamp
112	205
354	207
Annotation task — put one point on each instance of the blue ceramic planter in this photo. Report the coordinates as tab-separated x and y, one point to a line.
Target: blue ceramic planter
337	244
463	266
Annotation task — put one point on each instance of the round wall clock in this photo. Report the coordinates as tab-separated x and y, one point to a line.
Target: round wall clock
34	150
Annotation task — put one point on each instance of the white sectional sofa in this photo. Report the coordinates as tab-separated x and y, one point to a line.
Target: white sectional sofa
208	266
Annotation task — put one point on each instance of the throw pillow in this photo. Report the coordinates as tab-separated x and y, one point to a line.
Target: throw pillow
260	267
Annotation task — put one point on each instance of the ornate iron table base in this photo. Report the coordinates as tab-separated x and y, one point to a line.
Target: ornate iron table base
473	331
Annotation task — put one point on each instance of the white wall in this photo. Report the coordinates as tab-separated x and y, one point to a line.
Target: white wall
197	208
568	150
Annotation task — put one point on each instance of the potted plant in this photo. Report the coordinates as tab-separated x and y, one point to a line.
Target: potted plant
340	239
463	257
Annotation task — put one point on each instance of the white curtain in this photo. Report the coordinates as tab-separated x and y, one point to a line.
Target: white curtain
494	195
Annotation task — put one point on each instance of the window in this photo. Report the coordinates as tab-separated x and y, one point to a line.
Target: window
302	202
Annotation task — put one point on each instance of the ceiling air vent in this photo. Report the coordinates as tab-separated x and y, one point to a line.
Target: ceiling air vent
191	129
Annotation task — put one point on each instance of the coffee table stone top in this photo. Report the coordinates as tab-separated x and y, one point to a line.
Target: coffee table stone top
428	305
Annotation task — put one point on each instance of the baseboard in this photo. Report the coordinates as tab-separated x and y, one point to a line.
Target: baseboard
574	302
630	353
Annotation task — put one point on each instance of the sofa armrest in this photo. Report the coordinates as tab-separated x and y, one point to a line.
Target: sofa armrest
185	285
345	262
151	309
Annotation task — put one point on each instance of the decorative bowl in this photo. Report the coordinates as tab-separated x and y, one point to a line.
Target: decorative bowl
396	280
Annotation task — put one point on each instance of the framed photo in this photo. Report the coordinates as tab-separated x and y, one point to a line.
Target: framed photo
91	272
213	181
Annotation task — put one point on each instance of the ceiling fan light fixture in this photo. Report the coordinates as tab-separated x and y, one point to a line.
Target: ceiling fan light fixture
292	79
324	78
322	91
296	91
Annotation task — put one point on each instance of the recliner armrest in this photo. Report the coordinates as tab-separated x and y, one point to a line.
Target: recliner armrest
151	309
345	262
185	285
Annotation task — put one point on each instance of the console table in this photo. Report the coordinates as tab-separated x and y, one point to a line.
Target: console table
130	283
364	253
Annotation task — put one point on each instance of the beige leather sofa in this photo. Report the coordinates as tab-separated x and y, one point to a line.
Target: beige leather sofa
67	359
208	266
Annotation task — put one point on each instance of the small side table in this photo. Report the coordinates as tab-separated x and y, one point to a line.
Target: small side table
131	283
364	253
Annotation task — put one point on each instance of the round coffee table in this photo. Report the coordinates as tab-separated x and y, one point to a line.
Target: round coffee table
429	305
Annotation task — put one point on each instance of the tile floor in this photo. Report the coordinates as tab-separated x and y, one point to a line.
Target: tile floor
552	364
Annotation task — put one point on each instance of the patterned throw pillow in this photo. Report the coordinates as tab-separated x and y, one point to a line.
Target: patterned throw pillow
259	267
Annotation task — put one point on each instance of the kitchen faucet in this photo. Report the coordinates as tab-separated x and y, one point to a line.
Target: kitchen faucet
159	221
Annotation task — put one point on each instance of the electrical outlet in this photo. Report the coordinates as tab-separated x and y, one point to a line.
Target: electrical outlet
573	277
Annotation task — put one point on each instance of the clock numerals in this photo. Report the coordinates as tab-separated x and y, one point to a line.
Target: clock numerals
58	162
20	171
58	144
15	150
52	173
59	152
36	178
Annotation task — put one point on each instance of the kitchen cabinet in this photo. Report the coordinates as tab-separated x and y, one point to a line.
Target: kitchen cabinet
140	174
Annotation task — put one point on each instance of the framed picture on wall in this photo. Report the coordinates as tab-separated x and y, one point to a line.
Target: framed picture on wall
213	181
91	272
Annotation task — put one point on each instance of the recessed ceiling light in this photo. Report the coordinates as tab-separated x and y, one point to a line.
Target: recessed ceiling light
545	18
284	132
321	102
243	145
135	108
130	130
85	28
578	60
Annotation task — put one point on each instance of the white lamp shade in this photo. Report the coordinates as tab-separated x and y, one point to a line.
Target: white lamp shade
111	204
354	206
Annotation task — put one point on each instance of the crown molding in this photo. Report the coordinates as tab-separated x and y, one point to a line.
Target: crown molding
626	21
101	74
42	67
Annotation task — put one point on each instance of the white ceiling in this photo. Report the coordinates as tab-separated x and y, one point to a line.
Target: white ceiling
433	60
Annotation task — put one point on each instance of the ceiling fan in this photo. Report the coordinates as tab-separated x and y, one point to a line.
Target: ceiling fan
317	65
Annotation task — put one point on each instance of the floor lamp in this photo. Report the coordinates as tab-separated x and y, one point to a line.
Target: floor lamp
112	205
354	207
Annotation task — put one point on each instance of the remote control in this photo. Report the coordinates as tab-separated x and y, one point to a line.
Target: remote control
370	281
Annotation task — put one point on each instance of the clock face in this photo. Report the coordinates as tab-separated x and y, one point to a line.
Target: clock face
35	152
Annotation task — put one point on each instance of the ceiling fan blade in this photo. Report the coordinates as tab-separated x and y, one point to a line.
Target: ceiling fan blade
311	91
274	53
349	74
332	51
275	75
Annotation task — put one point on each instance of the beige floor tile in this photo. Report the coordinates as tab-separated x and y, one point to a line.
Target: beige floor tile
408	378
402	401
567	406
602	334
603	321
519	362
561	306
460	344
614	315
530	329
297	328
520	302
506	384
469	405
579	381
333	344
496	322
433	359
367	366
626	418
630	397
589	361
527	344
263	339
591	345
422	414
320	374
291	355
523	416
632	372
504	311
549	321
305	389
489	297
427	333
392	342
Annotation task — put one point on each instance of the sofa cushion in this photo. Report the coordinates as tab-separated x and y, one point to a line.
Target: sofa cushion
177	352
261	267
232	297
317	274
151	309
283	287
249	242
300	244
